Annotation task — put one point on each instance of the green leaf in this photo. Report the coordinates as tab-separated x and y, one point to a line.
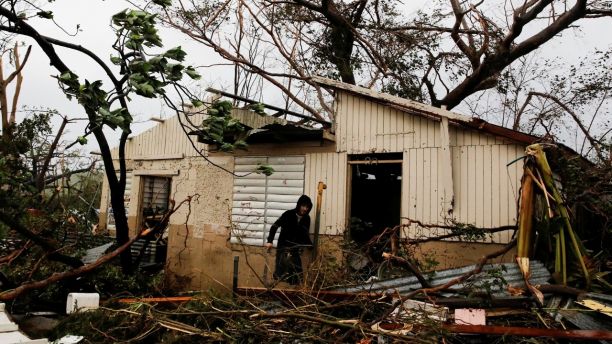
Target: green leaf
115	60
266	170
241	145
259	109
105	112
176	54
45	14
163	3
68	76
226	147
196	102
82	140
145	90
192	73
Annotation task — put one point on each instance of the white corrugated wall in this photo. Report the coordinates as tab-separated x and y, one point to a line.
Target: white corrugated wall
330	168
485	189
164	139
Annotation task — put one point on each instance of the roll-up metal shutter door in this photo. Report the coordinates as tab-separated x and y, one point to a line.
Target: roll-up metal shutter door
110	219
259	200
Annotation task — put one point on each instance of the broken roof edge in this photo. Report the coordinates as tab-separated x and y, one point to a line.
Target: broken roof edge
395	100
425	110
271	107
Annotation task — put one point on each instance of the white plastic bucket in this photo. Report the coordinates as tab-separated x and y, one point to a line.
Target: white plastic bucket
82	302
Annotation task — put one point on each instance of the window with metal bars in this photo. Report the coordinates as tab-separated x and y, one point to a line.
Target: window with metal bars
155	200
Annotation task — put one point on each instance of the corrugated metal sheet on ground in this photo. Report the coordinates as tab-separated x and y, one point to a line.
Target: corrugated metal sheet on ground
149	257
510	272
95	253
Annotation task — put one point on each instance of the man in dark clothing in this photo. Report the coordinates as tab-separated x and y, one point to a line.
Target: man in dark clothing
294	225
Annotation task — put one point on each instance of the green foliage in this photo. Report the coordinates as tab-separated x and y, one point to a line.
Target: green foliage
110	280
468	232
136	30
266	170
222	129
45	14
497	282
259	109
163	3
138	27
16	176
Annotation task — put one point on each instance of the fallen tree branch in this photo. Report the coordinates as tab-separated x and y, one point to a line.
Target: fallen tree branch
477	269
410	267
58	276
488	230
47	244
16	253
337	324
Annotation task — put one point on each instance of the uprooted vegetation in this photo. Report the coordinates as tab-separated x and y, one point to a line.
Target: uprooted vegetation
322	310
297	317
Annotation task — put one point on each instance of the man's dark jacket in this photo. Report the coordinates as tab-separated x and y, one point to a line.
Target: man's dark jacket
293	233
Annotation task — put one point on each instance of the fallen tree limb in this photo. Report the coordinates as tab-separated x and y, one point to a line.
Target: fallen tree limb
487	230
58	276
49	245
560	289
338	324
408	266
16	253
477	269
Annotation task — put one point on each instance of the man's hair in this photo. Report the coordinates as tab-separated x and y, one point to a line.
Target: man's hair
304	200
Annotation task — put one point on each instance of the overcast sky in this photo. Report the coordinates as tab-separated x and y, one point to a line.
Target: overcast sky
40	90
93	16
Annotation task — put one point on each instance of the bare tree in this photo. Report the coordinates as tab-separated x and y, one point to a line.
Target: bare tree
8	117
443	56
141	73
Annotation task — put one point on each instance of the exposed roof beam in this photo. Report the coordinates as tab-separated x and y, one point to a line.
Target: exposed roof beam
267	106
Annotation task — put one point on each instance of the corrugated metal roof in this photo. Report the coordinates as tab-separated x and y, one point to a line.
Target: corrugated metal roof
509	271
424	110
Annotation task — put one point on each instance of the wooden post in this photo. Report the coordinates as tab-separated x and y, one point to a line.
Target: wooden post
320	187
447	169
235	278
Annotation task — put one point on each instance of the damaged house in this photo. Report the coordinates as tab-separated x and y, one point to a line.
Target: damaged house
386	161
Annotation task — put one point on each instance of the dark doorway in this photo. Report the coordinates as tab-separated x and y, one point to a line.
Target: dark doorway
376	191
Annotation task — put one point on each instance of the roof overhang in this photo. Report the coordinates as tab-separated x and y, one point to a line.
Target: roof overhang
427	111
278	133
